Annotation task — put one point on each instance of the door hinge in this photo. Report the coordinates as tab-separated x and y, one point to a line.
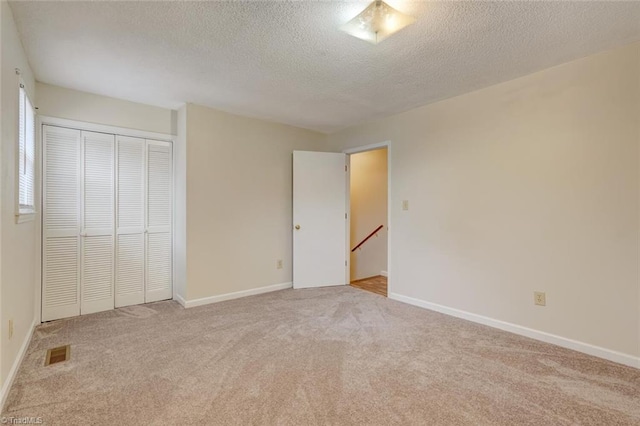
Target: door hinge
345	215
345	168
345	263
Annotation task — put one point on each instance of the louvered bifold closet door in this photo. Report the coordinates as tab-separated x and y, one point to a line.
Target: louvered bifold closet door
158	221
60	223
130	241
97	260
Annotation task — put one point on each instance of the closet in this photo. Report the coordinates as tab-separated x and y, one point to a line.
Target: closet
106	221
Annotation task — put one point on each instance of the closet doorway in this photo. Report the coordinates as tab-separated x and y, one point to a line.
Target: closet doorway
107	209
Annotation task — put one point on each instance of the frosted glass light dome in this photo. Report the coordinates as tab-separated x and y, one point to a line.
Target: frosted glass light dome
377	22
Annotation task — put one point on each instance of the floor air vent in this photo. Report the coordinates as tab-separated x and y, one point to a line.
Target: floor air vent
59	354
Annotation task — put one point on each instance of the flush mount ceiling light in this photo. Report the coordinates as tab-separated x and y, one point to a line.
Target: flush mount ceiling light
377	22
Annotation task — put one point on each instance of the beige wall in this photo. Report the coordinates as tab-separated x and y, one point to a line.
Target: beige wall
528	185
239	191
17	241
54	101
368	193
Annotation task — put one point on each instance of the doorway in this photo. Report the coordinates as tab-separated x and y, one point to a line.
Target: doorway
368	236
324	246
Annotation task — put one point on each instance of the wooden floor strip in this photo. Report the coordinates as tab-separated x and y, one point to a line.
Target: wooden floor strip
377	285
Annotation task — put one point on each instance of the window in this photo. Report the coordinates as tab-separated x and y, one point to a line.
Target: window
26	157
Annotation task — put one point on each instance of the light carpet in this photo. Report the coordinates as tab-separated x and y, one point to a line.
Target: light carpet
330	356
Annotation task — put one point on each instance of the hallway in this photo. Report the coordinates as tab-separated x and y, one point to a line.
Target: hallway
377	285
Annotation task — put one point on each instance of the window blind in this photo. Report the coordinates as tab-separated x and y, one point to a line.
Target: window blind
26	168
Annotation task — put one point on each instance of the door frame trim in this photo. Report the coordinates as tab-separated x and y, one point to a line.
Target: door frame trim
356	150
42	120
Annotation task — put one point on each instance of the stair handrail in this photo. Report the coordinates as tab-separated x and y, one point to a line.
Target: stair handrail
368	236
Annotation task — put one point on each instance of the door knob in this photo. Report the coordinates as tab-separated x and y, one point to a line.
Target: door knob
297	226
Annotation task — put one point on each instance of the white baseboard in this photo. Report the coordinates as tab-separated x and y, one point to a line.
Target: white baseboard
575	345
180	300
384	273
231	296
6	387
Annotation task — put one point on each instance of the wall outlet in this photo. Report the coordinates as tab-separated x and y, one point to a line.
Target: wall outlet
405	205
279	264
539	298
10	329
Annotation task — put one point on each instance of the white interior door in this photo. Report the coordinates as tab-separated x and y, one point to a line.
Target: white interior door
60	223
159	218
319	219
130	241
97	252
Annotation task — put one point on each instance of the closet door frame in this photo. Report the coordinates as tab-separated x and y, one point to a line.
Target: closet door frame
42	120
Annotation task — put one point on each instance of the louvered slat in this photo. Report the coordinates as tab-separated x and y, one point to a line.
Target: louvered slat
158	262
61	272
61	195
98	180
159	178
130	219
62	147
159	217
97	271
97	265
130	268
131	183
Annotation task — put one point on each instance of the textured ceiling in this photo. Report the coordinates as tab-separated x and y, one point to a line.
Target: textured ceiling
288	62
